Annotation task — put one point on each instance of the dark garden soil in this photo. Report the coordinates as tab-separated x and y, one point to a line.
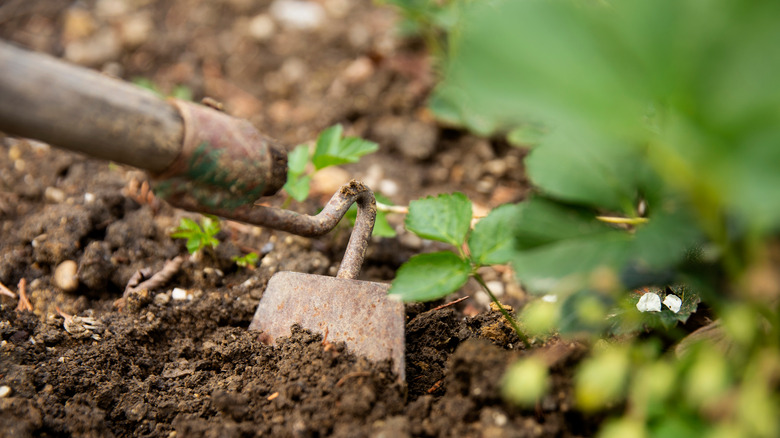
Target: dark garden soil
159	364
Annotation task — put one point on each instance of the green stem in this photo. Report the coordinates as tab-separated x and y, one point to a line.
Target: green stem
286	203
512	322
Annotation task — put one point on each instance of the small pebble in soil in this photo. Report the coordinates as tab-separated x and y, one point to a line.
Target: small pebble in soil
179	294
496	287
136	30
5	391
388	187
358	70
53	194
162	299
298	14
65	276
261	27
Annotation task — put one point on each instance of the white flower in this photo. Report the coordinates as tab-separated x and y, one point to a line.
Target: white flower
673	302
649	302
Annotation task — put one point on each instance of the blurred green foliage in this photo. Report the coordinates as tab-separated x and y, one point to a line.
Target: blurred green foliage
655	134
182	92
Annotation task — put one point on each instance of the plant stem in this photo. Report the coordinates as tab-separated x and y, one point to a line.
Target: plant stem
512	322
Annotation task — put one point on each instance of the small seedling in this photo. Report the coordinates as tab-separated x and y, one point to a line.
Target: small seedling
331	150
447	218
198	236
247	260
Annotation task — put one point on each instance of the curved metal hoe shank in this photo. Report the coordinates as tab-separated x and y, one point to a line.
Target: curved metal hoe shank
306	225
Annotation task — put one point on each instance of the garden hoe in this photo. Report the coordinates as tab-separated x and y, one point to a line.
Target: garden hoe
203	160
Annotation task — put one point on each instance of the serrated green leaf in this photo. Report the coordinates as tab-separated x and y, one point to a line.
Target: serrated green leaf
298	186
445	218
332	150
430	276
492	240
296	160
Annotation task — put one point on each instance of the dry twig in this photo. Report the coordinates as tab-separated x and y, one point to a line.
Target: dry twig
170	269
24	303
443	306
351	375
5	291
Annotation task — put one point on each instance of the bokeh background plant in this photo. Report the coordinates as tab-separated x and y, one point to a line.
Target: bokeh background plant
654	136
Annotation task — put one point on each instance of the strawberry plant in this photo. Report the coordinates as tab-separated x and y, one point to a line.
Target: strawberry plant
200	236
655	147
447	218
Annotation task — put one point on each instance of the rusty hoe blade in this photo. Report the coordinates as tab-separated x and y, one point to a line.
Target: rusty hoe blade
357	313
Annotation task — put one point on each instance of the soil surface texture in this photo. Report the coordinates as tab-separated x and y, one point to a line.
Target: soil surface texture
90	358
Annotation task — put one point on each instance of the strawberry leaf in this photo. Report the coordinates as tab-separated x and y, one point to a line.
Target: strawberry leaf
445	218
427	277
332	150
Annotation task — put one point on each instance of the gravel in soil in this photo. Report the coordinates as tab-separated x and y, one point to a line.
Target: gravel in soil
84	363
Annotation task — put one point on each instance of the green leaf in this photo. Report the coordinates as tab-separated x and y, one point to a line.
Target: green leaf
555	241
186	226
529	134
430	276
445	218
297	159
332	150
247	260
297	186
147	84
492	240
382	227
210	225
602	173
210	241
578	73
182	92
194	243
